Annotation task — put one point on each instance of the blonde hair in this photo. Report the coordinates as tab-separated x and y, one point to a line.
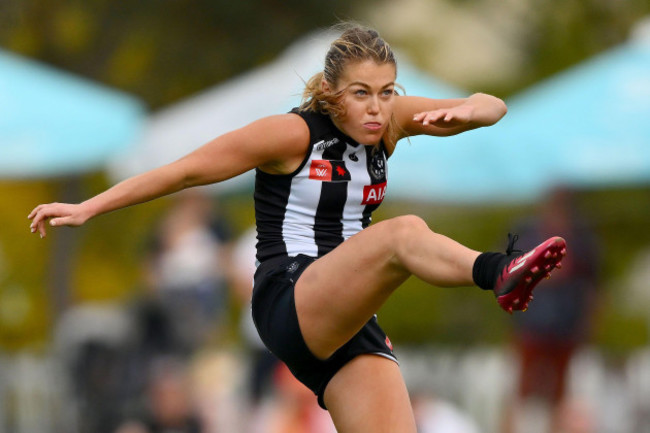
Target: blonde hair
356	44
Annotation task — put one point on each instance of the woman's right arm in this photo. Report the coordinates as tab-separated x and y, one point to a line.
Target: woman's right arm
271	143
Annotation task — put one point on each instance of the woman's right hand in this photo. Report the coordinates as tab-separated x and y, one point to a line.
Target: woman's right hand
58	214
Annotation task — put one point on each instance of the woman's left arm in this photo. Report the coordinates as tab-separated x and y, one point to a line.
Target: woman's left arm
445	117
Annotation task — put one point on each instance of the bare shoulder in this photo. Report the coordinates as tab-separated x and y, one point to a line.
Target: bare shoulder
285	140
284	128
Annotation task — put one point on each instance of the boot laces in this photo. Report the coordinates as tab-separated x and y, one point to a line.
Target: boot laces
512	238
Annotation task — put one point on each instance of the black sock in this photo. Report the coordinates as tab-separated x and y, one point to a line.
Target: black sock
486	269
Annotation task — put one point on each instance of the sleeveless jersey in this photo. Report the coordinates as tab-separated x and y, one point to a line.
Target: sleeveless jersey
327	199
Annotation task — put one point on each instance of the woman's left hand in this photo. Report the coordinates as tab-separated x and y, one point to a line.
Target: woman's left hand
446	117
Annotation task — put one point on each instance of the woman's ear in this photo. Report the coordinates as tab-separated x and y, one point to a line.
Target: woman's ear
325	86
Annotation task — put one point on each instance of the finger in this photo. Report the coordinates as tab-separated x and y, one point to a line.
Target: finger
37	210
433	117
60	221
32	213
425	118
41	229
34	223
38	217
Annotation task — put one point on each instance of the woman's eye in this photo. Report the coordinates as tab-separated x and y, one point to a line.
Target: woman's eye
360	92
388	92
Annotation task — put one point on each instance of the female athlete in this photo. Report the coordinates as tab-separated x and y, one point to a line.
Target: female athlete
323	270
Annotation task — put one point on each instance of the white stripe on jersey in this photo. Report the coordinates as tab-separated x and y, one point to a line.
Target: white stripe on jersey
353	210
299	219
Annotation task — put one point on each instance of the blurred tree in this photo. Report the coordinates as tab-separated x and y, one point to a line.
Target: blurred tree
502	47
160	50
565	32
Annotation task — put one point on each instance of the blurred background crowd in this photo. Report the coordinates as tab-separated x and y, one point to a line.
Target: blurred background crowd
139	321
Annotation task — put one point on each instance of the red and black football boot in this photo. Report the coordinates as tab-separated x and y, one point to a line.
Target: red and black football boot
516	281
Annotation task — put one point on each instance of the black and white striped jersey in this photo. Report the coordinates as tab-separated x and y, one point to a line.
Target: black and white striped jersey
329	198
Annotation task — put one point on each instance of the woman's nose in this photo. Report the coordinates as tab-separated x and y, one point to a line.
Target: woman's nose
373	105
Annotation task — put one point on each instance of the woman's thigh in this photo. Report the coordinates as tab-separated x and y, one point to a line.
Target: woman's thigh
369	395
338	293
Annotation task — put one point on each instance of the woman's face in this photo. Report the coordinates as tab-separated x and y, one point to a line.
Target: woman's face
368	95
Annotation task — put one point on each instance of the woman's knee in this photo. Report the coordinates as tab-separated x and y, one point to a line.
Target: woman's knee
405	227
404	234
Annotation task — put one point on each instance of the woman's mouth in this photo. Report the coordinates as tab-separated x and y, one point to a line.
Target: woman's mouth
373	126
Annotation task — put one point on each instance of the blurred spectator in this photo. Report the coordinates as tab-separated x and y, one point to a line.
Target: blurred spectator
186	267
91	341
167	405
575	416
559	319
292	408
186	295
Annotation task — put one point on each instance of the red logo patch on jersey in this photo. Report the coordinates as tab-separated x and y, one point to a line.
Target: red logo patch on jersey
389	344
374	194
329	171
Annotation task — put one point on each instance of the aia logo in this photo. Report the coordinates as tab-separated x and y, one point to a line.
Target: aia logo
374	194
329	171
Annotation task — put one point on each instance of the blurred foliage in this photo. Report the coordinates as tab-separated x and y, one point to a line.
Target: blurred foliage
161	50
165	50
502	47
24	310
566	32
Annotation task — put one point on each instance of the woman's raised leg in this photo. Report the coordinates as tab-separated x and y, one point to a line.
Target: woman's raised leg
341	291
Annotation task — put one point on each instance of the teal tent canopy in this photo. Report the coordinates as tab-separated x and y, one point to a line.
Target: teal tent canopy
53	123
586	127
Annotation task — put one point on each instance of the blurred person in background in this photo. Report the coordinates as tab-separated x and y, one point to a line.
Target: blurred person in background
560	320
324	270
168	405
290	408
186	268
184	305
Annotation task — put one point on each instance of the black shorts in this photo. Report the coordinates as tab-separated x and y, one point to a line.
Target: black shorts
274	314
